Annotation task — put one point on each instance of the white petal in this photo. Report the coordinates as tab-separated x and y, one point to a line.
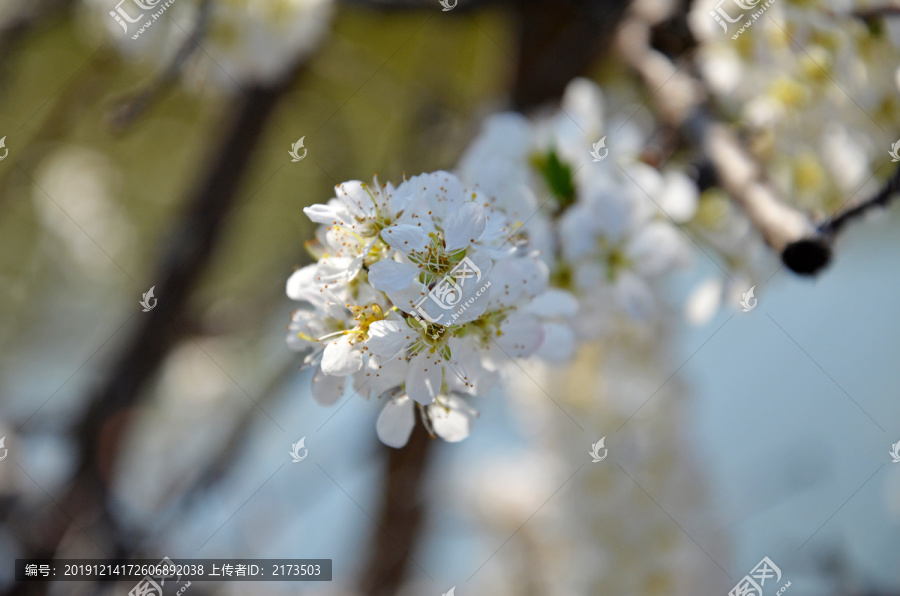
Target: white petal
464	226
584	106
303	322
559	343
396	422
646	181
451	418
578	231
406	238
471	372
554	303
354	196
301	282
612	211
387	338
341	357
704	302
635	296
516	279
521	335
679	198
381	375
423	380
329	214
331	270
390	276
327	390
475	301
656	248
439	192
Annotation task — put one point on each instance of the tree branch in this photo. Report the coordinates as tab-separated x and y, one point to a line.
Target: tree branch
102	426
787	230
400	517
835	224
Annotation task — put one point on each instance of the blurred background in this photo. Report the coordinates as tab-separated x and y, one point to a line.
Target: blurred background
164	163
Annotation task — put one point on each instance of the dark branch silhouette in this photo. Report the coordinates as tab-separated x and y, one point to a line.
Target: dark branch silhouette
101	427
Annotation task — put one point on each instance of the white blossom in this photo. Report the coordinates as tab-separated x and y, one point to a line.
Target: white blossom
608	230
418	296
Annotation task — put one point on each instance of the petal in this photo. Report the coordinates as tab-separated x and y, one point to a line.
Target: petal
439	192
679	198
423	380
479	373
327	390
704	301
554	303
304	326
656	248
387	338
584	106
521	335
396	422
517	279
578	232
463	227
330	270
451	418
301	282
355	197
559	343
328	215
612	212
381	375
406	238
475	301
341	357
635	296
407	298
391	276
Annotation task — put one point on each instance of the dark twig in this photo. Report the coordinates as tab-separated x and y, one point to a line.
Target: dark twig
835	224
809	254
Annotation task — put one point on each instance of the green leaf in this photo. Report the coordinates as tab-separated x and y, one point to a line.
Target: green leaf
558	176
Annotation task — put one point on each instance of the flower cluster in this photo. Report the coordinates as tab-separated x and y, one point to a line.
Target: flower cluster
809	86
422	292
607	226
418	294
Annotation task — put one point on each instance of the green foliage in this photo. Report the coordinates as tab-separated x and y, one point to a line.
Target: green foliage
558	177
